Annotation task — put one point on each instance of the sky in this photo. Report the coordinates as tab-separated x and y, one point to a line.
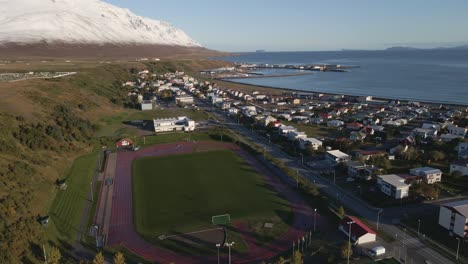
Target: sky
309	25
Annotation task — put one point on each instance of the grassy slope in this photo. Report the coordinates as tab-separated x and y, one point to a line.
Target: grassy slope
185	197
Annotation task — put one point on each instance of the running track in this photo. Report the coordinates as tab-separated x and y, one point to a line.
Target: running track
122	232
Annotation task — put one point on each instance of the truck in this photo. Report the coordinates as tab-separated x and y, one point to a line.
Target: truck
377	251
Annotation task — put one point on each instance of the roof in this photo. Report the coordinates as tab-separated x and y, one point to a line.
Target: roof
358	229
337	153
394	180
462	162
459	206
427	170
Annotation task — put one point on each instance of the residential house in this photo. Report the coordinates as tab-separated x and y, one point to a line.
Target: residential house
393	186
457	131
233	111
266	120
354	126
284	130
430	175
181	123
147	105
462	150
459	165
361	171
369	154
454	217
313	142
337	157
184	100
425	132
293	135
357	136
335	123
360	233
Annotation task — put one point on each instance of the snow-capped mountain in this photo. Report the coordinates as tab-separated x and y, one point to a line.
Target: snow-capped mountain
83	22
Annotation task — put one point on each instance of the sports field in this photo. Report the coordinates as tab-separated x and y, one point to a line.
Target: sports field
180	193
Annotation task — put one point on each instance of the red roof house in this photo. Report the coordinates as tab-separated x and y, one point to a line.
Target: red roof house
360	233
124	143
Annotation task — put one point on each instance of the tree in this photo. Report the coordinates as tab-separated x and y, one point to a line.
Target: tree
54	256
297	258
99	258
341	212
119	258
281	261
346	250
436	155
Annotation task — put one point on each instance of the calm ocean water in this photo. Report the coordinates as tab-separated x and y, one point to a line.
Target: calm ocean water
420	75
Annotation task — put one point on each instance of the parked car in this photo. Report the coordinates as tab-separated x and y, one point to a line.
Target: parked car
377	251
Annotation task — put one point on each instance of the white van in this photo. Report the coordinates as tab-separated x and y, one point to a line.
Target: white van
377	251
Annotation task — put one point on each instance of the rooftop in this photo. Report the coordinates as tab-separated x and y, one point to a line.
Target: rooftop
394	180
358	229
337	153
459	206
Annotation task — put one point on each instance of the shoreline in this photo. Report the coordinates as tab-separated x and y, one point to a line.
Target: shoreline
350	95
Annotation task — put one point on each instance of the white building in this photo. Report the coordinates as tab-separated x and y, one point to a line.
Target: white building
457	131
393	186
146	105
335	123
454	217
429	175
313	142
181	123
184	100
461	166
360	233
293	135
337	157
284	130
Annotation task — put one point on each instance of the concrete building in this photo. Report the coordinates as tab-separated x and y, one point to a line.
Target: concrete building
429	175
146	105
184	100
181	123
337	157
360	233
454	217
393	186
459	165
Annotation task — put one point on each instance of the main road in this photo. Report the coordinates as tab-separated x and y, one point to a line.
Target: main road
411	249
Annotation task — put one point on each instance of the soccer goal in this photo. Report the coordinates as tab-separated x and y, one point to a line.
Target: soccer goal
221	219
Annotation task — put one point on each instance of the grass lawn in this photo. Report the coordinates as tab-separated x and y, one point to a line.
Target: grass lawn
114	126
181	193
67	207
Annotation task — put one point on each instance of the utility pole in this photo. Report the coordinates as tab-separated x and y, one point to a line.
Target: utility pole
92	191
349	239
378	218
458	247
419	226
45	255
315	218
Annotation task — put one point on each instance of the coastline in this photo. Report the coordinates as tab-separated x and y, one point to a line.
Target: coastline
349	95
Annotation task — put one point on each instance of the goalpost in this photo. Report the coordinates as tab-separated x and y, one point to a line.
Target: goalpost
223	219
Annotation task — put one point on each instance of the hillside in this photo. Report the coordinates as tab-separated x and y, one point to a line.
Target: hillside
44	126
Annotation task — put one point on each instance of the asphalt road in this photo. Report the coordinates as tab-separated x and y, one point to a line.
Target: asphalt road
409	248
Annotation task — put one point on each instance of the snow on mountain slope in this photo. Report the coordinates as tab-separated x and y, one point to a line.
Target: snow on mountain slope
83	21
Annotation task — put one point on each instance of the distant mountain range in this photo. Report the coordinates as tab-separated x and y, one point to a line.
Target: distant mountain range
403	48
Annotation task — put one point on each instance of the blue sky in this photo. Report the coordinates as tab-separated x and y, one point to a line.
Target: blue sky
294	25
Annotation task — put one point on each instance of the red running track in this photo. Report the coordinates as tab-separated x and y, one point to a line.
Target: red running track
122	232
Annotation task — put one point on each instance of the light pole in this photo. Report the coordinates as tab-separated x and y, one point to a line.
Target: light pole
97	229
302	159
92	192
360	190
218	245
458	247
269	139
229	245
297	178
378	218
315	218
419	226
334	177
349	239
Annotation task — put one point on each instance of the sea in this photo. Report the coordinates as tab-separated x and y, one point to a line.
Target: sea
439	76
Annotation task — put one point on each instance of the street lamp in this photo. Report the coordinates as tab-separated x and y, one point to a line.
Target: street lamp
315	218
92	193
269	139
360	190
302	159
419	226
218	245
378	218
349	238
229	245
334	177
458	247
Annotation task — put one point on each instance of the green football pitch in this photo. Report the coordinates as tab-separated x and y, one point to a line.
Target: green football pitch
181	193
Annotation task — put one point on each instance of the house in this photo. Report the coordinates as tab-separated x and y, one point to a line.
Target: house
293	135
284	130
393	186
430	175
454	217
233	111
361	171
124	143
337	157
431	126
369	154
146	105
184	100
462	150
266	120
354	126
360	233
181	123
357	136
294	101
457	131
425	132
313	142
459	165
335	123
